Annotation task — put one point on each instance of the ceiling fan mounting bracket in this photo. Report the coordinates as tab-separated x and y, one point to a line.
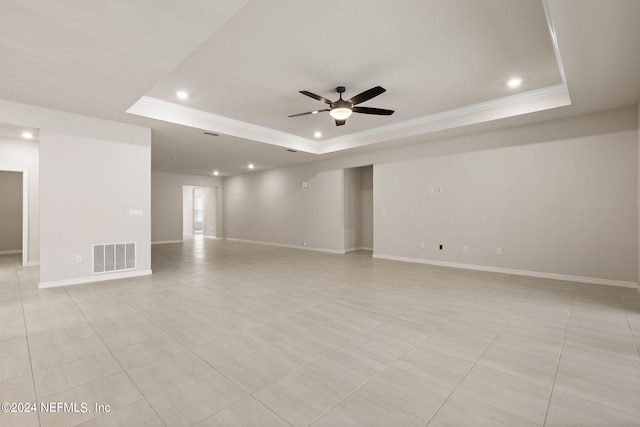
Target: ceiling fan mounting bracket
340	89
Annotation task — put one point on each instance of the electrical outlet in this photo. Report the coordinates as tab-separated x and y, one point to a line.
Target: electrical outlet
431	190
499	251
439	189
465	249
422	245
78	258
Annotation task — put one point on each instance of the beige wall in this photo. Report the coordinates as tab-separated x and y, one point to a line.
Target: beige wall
272	206
91	173
10	212
88	187
558	197
564	207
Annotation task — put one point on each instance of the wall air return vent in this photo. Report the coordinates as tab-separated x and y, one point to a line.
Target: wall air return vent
112	257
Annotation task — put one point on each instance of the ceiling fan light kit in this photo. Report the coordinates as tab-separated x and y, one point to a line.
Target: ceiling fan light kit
340	113
340	110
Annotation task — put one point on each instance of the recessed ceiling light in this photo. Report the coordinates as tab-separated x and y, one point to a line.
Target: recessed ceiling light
216	173
27	135
182	94
514	82
317	134
251	166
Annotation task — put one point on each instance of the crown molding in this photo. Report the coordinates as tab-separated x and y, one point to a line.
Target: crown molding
522	103
170	112
554	40
514	105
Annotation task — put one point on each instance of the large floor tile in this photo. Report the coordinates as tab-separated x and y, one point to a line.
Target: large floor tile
146	351
19	419
298	399
605	359
14	366
567	410
231	333
459	346
246	412
256	370
110	392
167	372
68	352
519	364
61	336
195	399
72	374
13	347
434	366
461	410
132	335
604	390
520	397
357	412
405	395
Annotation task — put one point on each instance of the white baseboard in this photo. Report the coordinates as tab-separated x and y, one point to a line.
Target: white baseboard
11	252
361	248
208	236
33	263
281	245
162	242
329	251
93	279
542	275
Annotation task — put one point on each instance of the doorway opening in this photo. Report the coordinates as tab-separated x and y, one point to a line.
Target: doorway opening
14	213
358	209
199	211
198	215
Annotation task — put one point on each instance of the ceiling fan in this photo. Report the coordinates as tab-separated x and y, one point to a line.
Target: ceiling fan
340	110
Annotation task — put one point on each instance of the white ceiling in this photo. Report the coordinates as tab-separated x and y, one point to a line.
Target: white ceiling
444	63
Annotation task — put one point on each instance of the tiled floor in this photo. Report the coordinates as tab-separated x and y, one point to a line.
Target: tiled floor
234	334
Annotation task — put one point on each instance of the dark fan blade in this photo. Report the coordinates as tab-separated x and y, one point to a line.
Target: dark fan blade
369	110
340	122
367	95
310	112
314	96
